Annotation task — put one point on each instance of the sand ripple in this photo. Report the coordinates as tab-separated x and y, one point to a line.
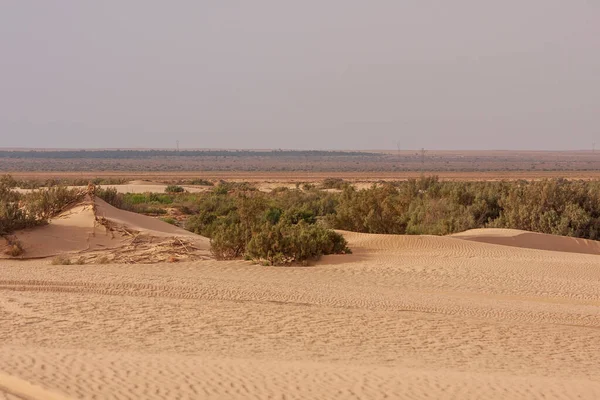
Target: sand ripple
403	317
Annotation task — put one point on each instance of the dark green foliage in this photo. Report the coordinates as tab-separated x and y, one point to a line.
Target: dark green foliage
201	182
376	210
428	206
174	189
19	211
234	217
111	196
225	187
143	203
235	221
558	207
228	241
333	183
295	215
282	243
46	203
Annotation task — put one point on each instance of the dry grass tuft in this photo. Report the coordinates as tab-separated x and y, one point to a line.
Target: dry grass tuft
61	260
15	248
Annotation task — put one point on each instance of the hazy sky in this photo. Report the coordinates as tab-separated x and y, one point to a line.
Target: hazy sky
327	74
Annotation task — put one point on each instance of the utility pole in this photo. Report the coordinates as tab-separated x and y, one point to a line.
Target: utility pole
422	159
178	147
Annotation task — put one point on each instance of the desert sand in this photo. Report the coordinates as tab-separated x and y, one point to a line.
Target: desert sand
94	229
482	315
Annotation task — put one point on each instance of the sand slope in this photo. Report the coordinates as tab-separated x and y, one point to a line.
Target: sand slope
531	240
96	228
407	317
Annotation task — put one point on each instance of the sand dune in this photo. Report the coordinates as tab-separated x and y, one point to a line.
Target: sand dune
531	240
407	317
95	228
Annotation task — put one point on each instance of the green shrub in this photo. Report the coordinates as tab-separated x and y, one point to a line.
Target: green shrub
19	211
228	242
169	220
111	196
46	203
281	244
333	183
174	189
201	182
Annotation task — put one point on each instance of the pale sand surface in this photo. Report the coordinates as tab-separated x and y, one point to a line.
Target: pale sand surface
407	317
531	240
94	228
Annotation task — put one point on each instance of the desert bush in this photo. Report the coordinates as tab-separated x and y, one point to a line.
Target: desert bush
225	187
111	196
228	242
375	210
14	248
46	203
19	211
282	243
333	183
174	189
61	260
169	220
201	182
416	206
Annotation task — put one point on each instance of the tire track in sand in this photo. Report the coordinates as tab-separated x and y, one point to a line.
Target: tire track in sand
399	302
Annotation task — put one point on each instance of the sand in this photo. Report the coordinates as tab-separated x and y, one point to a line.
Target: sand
531	240
404	317
94	229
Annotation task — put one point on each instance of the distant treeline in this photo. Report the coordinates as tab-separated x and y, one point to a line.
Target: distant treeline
144	154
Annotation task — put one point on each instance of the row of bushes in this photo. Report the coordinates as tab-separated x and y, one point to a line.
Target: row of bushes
245	222
428	206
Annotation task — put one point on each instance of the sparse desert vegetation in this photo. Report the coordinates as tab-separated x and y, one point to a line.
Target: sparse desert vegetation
416	206
20	211
424	299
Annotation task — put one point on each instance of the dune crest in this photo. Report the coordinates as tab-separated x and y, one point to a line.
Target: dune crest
531	240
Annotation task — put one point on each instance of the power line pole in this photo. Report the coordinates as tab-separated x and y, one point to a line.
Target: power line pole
178	147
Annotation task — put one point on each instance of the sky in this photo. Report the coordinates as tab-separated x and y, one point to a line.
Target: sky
311	74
